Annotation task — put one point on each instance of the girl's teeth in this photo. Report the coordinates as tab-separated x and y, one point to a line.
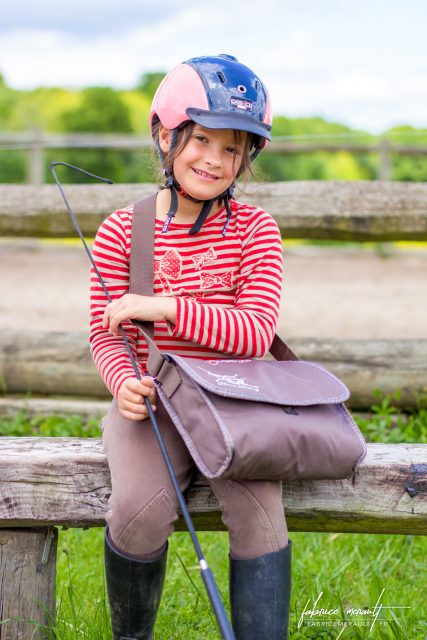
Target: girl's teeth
202	173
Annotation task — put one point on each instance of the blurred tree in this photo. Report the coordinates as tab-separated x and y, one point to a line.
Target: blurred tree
408	168
101	111
8	100
316	165
41	108
13	166
138	105
149	82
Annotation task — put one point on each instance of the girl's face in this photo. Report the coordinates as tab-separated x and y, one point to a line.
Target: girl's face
209	162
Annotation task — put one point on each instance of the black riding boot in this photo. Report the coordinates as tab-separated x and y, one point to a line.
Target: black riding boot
134	591
260	591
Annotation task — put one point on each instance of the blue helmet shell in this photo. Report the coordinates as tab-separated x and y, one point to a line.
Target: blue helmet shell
236	96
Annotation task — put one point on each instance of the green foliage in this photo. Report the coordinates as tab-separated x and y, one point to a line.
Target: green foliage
8	101
13	166
408	168
317	165
138	105
104	110
149	82
386	424
101	111
40	109
49	426
349	570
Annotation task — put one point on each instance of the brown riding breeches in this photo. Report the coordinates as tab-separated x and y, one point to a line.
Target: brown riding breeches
143	505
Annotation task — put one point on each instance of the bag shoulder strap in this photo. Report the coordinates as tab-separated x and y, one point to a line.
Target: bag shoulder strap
141	273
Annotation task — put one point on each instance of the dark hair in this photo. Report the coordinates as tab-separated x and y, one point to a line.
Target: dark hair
184	134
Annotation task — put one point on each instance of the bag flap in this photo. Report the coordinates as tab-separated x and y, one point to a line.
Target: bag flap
289	383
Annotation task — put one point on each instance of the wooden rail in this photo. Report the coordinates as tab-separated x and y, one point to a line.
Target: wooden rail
36	142
46	363
49	482
333	210
43	482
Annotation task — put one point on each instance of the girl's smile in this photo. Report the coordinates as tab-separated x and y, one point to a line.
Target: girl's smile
204	175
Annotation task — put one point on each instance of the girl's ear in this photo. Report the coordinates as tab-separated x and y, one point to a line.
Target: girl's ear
164	138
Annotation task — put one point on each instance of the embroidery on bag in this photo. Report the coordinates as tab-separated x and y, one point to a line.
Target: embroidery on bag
231	381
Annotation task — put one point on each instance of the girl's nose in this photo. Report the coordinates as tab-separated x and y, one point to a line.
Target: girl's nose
213	156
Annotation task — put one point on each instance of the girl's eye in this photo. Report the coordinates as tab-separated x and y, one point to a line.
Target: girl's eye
201	138
233	150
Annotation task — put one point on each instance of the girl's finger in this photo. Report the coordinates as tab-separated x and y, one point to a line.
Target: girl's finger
144	386
133	397
131	415
105	318
137	409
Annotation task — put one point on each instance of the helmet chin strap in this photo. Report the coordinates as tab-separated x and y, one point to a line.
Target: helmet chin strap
175	188
207	206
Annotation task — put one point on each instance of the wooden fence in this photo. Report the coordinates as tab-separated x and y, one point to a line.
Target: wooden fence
60	363
51	363
35	143
39	486
356	211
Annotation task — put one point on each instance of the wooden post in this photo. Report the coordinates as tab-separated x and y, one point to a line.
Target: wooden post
27	582
384	169
36	168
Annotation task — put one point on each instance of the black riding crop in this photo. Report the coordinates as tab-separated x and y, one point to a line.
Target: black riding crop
206	573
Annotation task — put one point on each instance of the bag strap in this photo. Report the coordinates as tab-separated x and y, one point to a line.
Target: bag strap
141	275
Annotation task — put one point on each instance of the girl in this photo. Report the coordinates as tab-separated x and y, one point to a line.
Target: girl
218	277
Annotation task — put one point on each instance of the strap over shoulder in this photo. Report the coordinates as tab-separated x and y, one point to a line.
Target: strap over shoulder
141	272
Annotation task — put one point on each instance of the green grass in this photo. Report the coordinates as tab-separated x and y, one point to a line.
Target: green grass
349	570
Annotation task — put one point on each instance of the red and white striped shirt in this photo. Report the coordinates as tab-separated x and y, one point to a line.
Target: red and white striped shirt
227	289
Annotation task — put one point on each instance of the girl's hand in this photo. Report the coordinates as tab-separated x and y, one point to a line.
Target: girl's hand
135	307
131	396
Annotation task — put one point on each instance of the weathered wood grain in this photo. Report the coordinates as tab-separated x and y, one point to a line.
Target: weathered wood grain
60	363
65	481
27	582
356	210
85	408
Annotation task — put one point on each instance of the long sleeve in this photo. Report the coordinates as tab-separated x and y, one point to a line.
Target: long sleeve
111	255
247	329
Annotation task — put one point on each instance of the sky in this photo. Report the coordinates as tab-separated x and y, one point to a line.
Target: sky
359	62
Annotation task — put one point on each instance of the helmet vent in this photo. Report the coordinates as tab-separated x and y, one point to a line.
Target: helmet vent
241	88
221	77
257	87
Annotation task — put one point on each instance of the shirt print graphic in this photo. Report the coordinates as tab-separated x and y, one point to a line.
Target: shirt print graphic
169	269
